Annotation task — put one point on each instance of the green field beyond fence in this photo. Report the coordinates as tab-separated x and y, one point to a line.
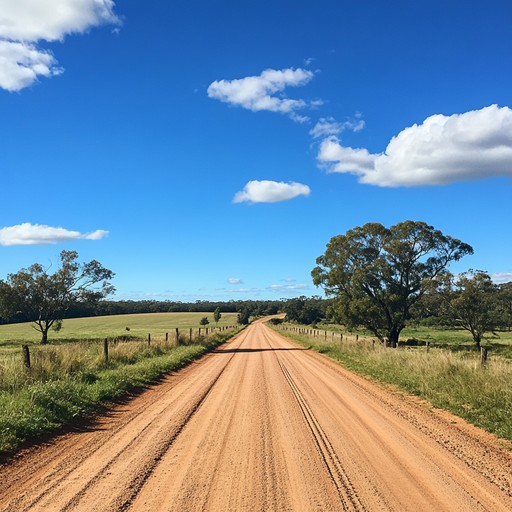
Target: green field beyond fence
99	327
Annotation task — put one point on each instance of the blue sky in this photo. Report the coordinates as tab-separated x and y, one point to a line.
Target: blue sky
210	149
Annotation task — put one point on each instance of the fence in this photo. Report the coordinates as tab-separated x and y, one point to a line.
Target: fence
175	337
356	338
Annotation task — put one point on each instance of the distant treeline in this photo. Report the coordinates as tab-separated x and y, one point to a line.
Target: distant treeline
126	307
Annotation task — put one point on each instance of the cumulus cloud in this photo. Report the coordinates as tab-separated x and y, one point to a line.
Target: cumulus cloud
234	280
22	63
267	191
443	149
328	126
25	23
265	91
39	234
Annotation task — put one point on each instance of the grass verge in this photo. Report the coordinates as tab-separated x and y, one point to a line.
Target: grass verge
31	408
450	380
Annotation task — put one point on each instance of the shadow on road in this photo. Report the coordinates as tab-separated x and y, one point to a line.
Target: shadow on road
231	350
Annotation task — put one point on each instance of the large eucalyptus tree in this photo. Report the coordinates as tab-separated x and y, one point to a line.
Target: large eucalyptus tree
376	274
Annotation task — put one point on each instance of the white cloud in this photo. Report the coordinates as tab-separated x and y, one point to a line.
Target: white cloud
234	280
265	91
21	64
325	127
328	126
24	23
443	149
38	234
288	287
502	277
266	191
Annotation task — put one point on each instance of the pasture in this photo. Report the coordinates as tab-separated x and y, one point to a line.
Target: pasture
100	327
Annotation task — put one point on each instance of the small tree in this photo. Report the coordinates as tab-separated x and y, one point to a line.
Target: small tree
204	321
44	298
474	307
505	305
217	315
244	315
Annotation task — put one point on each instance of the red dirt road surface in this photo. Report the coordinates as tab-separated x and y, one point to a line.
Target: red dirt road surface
262	424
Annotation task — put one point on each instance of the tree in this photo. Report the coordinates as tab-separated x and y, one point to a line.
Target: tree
305	310
217	315
505	305
433	308
44	298
204	321
244	315
475	304
377	274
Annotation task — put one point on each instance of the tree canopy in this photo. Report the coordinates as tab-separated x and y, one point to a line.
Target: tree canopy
377	274
44	298
305	310
475	304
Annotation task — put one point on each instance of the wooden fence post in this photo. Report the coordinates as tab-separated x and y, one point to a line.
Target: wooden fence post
149	340
190	335
105	350
483	357
166	337
177	337
26	356
428	346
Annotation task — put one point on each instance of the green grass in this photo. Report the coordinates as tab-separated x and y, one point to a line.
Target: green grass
99	327
451	379
459	340
69	379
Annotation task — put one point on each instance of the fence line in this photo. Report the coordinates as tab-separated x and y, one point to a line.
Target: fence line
317	333
25	349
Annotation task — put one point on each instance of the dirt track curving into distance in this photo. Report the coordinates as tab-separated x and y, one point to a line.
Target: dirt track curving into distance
265	425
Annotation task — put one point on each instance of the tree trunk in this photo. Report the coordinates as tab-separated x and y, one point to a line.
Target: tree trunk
477	339
393	337
44	337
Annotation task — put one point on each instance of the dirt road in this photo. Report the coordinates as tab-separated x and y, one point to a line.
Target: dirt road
264	425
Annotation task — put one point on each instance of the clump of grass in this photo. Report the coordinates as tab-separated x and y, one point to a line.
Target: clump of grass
449	379
71	380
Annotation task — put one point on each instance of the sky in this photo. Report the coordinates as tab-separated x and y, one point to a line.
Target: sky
209	149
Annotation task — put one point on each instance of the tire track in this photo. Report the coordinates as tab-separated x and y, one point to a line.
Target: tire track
347	493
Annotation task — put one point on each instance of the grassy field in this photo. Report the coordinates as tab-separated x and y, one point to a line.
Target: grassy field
70	378
99	327
449	374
